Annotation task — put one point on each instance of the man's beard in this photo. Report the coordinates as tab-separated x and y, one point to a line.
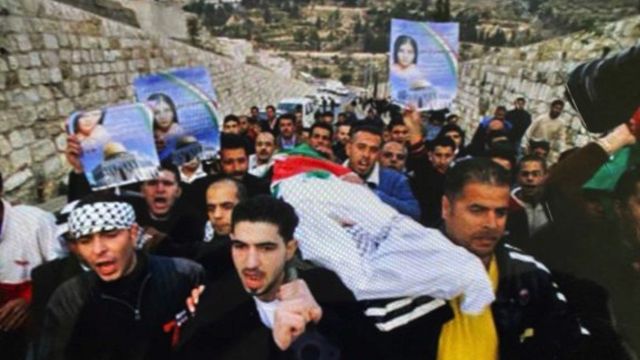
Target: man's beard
554	115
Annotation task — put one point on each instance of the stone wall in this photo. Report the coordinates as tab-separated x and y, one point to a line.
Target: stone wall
55	58
537	72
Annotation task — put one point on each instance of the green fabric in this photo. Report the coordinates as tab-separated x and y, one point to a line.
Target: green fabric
303	149
610	172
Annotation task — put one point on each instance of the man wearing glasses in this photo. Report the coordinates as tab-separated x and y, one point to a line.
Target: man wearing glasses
394	156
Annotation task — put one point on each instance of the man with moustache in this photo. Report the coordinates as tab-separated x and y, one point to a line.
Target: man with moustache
527	213
529	318
265	148
267	304
130	305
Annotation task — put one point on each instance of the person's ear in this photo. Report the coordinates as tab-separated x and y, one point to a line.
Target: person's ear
134	231
291	248
446	206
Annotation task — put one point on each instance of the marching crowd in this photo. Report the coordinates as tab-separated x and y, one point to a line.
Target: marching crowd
211	260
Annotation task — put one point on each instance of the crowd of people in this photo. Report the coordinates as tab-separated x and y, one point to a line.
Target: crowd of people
493	249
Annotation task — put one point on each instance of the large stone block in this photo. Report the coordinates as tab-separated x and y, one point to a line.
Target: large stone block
20	158
5	146
51	58
28	136
43	149
16	140
17	179
53	167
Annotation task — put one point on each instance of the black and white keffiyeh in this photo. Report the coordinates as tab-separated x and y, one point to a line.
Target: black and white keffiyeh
100	216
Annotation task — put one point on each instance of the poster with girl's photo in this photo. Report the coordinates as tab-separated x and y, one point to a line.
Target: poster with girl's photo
423	63
185	108
117	144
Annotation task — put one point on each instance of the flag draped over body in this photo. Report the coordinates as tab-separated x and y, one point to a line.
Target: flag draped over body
377	252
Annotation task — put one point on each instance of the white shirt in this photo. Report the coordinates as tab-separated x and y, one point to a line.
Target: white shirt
267	311
199	173
28	239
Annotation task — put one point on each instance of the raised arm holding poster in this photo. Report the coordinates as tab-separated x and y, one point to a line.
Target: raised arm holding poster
117	144
185	113
423	63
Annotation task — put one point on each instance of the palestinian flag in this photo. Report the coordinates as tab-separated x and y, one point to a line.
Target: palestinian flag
303	159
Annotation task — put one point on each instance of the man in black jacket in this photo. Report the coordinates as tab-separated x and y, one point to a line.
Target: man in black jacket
130	306
266	313
529	318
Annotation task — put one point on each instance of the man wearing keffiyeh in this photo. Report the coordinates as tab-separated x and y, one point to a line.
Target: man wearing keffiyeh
130	305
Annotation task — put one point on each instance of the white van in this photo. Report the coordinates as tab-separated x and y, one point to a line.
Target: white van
289	106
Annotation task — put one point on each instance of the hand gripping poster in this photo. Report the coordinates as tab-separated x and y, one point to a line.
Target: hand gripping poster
185	113
423	63
117	144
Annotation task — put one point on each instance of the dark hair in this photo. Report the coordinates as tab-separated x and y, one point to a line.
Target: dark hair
233	141
100	196
443	142
287	116
254	107
322	126
327	113
273	108
479	170
1	184
264	208
168	165
540	144
401	40
557	102
449	128
501	108
521	99
503	150
365	128
229	118
531	158
165	98
395	122
79	115
241	190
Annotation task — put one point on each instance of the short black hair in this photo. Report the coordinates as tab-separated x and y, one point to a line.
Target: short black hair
233	141
327	113
168	165
503	149
322	125
478	170
365	128
254	108
230	117
442	141
501	108
452	127
532	158
265	208
557	102
521	99
287	116
545	145
241	190
395	122
273	108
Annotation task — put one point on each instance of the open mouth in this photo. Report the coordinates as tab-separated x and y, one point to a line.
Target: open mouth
105	268
253	279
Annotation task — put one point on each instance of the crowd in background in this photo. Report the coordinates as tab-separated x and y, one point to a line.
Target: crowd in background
564	259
